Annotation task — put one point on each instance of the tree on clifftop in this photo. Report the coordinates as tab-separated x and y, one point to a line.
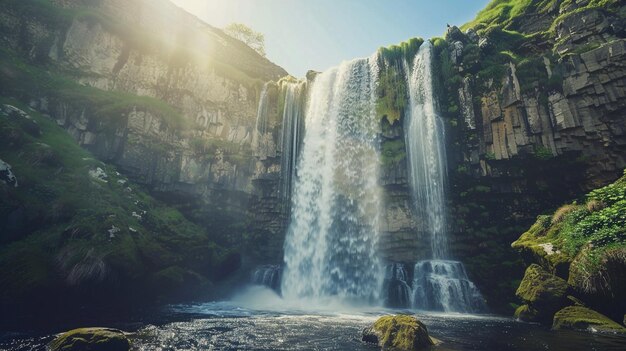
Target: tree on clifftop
246	34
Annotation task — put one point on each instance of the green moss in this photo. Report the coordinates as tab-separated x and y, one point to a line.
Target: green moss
542	289
405	50
91	339
392	94
500	13
527	313
542	153
402	332
585	319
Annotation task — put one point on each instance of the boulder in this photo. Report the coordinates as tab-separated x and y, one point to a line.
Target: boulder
91	339
527	313
542	289
543	293
584	319
400	332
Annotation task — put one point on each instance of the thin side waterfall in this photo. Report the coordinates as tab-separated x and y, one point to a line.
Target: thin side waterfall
438	284
259	134
331	243
426	151
291	136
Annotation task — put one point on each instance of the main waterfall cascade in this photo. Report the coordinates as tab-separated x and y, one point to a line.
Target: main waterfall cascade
438	284
331	243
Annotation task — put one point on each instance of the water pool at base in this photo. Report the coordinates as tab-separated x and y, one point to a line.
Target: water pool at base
228	326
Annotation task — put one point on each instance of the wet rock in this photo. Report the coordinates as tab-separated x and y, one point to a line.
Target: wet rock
400	332
91	339
527	313
6	175
584	319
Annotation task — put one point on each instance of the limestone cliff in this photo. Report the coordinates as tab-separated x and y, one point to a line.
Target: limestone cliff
168	99
534	94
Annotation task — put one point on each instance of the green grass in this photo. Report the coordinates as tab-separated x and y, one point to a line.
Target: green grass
499	13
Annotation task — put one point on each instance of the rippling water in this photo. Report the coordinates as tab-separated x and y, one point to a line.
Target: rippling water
228	326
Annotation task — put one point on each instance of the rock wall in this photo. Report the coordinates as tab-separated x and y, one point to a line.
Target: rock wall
154	49
541	133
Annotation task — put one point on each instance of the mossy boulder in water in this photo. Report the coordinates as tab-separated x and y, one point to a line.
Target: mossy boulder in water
582	318
91	339
401	332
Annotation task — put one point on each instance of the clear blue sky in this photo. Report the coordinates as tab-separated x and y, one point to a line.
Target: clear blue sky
318	34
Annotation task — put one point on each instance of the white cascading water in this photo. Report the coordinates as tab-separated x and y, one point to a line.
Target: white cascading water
331	243
260	135
438	284
291	134
424	135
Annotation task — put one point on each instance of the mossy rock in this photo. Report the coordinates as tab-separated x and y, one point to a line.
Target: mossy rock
401	332
584	319
542	289
527	313
91	339
536	247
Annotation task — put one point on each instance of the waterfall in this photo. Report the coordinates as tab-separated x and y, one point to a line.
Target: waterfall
424	134
291	136
438	284
331	243
268	275
397	290
441	285
260	132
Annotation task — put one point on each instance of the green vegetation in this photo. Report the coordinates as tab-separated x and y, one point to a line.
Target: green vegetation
404	51
392	86
78	224
584	243
392	94
499	13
